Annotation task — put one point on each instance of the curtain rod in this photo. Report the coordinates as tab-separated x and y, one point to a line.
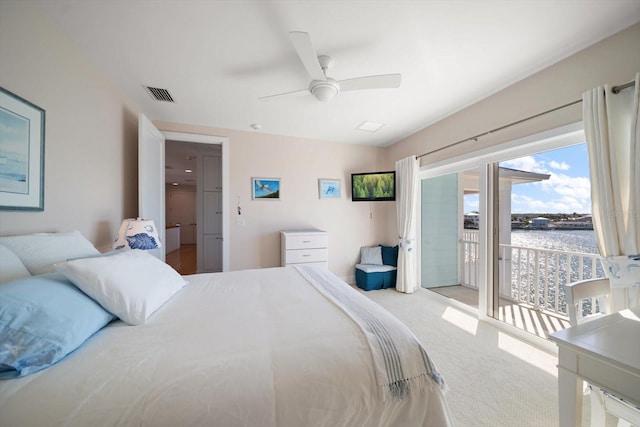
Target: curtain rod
615	90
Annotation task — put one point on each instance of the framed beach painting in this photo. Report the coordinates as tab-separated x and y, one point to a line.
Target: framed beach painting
329	188
265	188
21	153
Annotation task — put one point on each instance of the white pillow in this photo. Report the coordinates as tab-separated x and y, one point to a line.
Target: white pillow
131	284
10	266
38	252
371	255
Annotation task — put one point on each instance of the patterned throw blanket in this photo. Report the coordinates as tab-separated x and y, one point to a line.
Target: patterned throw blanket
401	363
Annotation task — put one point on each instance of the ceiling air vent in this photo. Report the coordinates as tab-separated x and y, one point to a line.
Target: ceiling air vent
159	94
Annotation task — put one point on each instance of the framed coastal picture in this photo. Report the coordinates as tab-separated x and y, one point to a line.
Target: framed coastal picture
329	188
21	153
265	188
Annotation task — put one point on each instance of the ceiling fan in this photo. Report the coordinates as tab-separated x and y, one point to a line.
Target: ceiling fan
325	88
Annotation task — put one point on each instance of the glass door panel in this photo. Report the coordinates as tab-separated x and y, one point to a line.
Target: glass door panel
449	235
440	223
545	237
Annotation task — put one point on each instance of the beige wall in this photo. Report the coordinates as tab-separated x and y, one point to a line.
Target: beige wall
91	130
614	60
299	163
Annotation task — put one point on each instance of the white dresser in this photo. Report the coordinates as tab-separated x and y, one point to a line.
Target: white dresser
309	246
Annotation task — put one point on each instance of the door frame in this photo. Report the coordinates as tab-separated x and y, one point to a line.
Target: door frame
151	195
224	142
544	141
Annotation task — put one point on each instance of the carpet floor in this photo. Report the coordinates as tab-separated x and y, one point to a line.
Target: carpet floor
494	378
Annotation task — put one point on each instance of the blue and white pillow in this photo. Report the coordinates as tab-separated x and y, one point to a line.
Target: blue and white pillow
42	319
623	271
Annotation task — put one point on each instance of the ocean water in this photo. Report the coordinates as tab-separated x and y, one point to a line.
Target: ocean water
568	267
549	269
562	240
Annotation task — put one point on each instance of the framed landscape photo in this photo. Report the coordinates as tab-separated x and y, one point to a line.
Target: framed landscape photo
21	154
328	188
265	188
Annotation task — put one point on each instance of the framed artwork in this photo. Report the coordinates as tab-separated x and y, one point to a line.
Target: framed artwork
21	154
329	188
265	188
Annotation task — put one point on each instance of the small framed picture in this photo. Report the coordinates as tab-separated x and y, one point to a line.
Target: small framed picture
265	188
329	188
21	154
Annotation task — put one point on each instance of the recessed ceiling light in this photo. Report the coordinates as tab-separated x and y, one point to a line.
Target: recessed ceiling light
174	183
369	126
188	170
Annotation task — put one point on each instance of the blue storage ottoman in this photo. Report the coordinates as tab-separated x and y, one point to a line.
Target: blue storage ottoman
370	277
380	271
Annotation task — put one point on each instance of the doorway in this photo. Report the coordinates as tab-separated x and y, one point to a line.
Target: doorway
182	169
151	187
190	162
193	177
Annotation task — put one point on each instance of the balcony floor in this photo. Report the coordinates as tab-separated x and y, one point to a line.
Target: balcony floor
520	315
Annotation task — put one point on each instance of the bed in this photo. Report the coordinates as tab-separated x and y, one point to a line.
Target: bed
271	347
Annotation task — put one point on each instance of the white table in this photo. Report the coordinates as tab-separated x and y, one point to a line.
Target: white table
604	352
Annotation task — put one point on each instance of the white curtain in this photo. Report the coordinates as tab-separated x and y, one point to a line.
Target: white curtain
613	138
407	211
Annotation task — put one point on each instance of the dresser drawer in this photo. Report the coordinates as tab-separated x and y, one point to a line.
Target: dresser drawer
300	256
306	241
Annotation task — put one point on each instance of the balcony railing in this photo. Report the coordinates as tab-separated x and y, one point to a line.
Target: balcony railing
533	276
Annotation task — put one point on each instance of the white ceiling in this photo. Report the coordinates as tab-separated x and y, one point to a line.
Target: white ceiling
217	57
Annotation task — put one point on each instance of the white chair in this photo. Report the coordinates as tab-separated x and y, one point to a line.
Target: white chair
606	409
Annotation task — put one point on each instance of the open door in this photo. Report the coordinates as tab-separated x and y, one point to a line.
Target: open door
151	178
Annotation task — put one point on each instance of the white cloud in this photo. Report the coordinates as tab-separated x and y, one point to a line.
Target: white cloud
562	194
578	187
471	205
563	166
527	163
525	204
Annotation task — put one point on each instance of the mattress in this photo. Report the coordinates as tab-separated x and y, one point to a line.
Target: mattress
248	348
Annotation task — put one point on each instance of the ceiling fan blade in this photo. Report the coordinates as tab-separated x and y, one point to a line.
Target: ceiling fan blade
382	81
277	95
306	52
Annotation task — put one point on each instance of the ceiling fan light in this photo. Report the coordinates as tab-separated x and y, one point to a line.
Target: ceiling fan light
324	91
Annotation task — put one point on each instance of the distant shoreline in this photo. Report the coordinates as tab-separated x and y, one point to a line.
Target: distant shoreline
549	228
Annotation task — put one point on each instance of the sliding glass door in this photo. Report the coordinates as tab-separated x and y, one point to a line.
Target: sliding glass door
495	229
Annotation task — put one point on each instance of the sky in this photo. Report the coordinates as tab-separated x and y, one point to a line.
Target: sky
568	190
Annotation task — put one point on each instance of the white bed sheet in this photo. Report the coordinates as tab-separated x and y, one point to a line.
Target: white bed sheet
248	348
